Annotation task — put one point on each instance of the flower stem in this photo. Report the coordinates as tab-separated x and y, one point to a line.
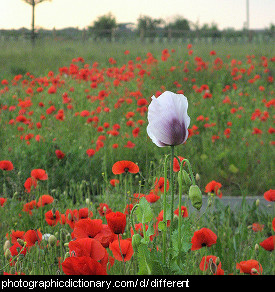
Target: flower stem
164	211
172	187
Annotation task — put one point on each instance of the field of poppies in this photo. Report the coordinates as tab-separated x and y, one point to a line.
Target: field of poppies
108	149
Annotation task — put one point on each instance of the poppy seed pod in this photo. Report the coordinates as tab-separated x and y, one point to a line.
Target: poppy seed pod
195	196
168	119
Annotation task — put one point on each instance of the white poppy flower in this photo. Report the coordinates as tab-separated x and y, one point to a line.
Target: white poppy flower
168	119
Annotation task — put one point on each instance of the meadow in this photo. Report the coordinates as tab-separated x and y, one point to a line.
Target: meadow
69	111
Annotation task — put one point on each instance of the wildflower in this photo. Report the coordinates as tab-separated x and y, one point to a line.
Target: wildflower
122	250
176	165
270	195
203	237
114	182
116	221
210	262
152	197
2	201
103	209
82	266
32	236
87	247
39	174
251	267
159	185
268	244
125	166
52	218
44	200
59	154
168	119
29	183
184	211
6	165
87	228
214	186
256	227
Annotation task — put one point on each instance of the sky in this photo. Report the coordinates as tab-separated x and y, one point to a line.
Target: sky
59	14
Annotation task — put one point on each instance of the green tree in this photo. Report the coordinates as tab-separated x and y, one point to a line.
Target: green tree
104	26
33	3
147	26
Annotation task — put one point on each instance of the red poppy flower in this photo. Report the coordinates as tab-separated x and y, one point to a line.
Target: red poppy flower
203	237
88	247
116	221
32	236
256	227
270	195
159	185
176	165
114	182
2	201
39	174
125	166
29	183
84	213
152	197
214	186
122	250
15	249
29	206
105	236
71	217
251	267
210	262
184	212
87	228
82	266
59	154
52	218
15	234
103	209
6	165
268	244
90	152
44	200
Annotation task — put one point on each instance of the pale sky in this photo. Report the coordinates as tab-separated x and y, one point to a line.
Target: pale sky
81	13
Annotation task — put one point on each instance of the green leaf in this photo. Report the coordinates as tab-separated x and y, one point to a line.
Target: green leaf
144	260
144	212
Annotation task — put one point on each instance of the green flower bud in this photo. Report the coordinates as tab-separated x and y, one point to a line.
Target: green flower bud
136	239
195	196
52	240
7	254
185	179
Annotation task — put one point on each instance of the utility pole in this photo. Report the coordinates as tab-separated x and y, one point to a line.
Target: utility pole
247	21
247	14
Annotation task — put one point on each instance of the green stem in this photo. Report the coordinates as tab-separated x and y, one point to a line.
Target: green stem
121	254
180	215
172	187
190	171
164	211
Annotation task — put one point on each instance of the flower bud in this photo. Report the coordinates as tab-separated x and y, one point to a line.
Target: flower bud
195	196
7	254
257	203
197	177
21	241
7	245
52	240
